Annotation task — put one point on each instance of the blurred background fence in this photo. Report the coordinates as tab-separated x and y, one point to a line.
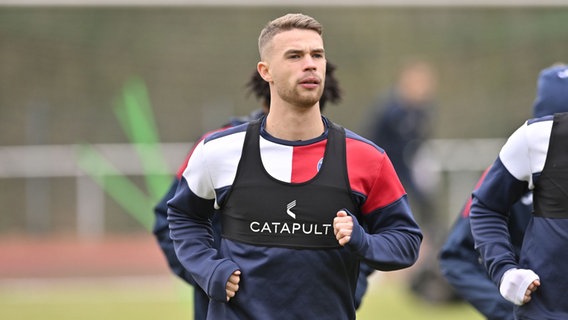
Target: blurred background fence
42	169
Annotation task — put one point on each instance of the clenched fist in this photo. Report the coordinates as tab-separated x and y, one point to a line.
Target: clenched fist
343	227
233	284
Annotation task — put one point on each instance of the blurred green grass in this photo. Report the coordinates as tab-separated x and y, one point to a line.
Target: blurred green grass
392	299
168	298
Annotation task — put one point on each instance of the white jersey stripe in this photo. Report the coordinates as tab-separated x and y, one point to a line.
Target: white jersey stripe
520	160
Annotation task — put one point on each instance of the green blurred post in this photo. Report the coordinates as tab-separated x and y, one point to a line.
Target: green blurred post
135	115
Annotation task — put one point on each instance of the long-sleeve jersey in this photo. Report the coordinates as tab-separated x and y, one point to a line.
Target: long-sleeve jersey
297	280
460	263
517	169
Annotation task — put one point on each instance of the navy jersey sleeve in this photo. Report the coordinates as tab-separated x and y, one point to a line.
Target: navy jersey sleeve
161	231
461	266
490	209
192	208
393	239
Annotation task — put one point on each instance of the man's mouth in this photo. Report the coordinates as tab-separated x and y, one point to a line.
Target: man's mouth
310	82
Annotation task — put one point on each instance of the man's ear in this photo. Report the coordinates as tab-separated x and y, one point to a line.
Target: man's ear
263	70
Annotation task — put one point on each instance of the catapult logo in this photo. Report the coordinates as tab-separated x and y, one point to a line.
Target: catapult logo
282	227
289	207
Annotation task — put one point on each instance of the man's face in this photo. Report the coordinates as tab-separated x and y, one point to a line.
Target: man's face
296	63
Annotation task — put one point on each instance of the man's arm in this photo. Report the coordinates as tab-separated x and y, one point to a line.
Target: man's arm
490	208
393	238
461	266
190	214
161	231
506	182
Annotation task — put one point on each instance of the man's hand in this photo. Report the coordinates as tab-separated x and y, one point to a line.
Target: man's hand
517	285
343	227
233	284
532	288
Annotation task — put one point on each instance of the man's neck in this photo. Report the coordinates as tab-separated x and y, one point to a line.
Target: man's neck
295	124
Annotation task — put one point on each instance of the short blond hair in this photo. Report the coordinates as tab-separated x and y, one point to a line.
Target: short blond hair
285	23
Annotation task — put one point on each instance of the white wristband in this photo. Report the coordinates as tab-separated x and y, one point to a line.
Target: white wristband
515	283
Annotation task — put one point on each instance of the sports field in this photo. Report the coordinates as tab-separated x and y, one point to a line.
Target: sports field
161	298
127	279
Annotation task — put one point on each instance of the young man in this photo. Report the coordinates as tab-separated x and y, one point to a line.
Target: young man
535	157
292	190
261	90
